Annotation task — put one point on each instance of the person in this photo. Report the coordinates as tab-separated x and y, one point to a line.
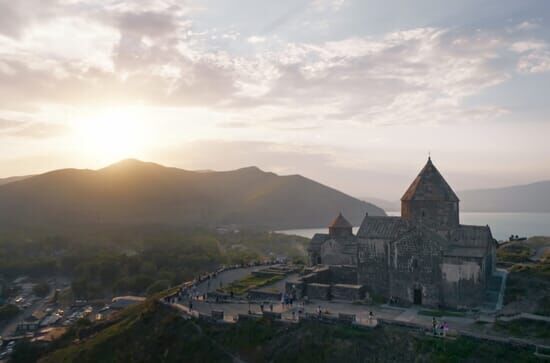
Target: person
445	328
371	317
434	326
262	307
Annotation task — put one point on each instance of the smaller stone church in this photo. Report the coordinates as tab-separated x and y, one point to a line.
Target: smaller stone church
425	257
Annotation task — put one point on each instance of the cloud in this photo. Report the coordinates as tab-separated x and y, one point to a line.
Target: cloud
256	39
537	61
324	5
15	16
527	25
150	53
32	130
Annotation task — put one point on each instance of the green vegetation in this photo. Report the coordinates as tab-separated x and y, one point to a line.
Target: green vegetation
151	332
251	282
7	312
140	260
41	289
528	284
514	253
524	328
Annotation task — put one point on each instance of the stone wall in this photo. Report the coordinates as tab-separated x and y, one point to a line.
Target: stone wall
343	275
264	295
415	262
320	275
347	292
463	282
431	213
336	251
318	291
372	269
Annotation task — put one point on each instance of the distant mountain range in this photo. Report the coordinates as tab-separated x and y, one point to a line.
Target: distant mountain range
135	192
534	198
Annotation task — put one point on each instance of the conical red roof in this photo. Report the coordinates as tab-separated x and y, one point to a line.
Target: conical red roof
340	222
430	185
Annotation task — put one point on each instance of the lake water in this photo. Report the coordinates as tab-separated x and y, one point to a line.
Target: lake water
502	224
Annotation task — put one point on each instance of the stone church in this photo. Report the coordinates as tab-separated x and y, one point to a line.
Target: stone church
424	257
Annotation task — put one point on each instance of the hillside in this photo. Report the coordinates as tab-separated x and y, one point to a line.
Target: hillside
13	179
387	205
533	197
153	333
135	192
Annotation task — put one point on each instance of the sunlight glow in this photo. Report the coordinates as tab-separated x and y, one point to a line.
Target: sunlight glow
111	135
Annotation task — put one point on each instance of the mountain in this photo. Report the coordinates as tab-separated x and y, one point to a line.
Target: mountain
135	192
533	197
13	179
387	205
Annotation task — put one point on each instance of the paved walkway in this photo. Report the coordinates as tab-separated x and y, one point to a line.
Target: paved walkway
526	316
461	325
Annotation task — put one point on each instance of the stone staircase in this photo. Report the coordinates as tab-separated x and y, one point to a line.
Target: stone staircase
495	292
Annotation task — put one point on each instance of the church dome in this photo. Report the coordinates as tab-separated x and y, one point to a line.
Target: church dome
340	227
340	222
430	201
430	185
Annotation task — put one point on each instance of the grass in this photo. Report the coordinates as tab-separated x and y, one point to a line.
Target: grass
514	253
524	328
150	332
250	282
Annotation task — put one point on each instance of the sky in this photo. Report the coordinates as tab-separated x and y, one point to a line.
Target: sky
352	93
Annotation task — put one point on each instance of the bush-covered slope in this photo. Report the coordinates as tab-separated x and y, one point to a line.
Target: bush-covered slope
153	333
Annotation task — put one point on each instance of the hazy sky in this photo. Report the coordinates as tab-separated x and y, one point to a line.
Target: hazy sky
352	93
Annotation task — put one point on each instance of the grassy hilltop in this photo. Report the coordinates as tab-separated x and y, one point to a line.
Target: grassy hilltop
153	333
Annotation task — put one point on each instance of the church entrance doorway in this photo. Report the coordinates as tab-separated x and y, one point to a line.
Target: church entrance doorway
418	296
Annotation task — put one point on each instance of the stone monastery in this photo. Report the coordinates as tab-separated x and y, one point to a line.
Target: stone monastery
424	257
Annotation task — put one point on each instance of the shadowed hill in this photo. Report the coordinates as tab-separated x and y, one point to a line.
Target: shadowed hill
533	197
135	192
152	333
13	179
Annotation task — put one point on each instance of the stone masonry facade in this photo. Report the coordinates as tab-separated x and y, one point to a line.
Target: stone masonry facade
425	257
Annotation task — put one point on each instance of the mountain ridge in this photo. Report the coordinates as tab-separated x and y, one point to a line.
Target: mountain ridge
137	192
522	198
530	198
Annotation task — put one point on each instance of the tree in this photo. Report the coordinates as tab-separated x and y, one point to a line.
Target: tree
41	289
158	286
7	312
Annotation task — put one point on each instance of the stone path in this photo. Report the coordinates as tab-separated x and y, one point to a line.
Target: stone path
408	315
525	316
388	314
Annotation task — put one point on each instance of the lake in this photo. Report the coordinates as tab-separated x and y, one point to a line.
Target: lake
502	224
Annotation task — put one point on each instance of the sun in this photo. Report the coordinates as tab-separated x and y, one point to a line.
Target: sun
111	135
